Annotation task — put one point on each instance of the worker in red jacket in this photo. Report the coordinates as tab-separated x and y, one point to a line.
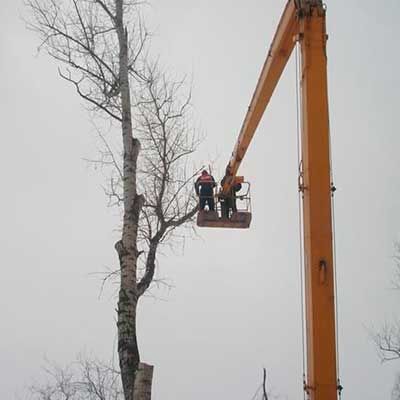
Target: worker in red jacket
204	187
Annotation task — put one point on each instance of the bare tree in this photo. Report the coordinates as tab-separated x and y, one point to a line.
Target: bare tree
387	340
101	46
85	379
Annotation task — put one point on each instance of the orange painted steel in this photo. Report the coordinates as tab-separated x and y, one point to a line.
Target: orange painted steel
210	219
319	268
278	55
304	21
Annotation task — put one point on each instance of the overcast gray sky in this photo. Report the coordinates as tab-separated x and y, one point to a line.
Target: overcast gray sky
235	305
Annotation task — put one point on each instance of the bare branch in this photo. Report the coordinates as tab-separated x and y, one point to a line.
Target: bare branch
87	96
106	9
102	45
388	342
85	378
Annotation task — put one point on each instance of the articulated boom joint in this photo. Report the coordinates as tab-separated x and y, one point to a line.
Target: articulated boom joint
306	8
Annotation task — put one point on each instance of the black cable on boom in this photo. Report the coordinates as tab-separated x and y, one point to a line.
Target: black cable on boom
300	206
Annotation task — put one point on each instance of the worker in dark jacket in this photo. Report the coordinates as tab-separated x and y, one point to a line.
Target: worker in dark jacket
204	187
228	202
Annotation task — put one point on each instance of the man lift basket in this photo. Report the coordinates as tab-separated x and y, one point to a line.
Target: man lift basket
232	210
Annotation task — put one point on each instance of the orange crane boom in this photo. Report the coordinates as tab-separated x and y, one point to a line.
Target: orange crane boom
278	55
303	21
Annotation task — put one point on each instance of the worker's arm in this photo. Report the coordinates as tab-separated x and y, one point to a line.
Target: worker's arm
214	184
196	186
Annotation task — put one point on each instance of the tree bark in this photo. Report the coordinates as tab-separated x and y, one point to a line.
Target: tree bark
83	35
144	377
129	357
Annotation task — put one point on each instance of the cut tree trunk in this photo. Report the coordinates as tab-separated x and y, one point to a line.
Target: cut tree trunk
127	247
143	382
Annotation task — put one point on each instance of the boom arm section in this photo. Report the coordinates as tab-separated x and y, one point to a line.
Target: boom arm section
305	21
278	55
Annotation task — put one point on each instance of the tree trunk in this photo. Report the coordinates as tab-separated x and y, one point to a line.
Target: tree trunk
144	377
127	343
127	247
